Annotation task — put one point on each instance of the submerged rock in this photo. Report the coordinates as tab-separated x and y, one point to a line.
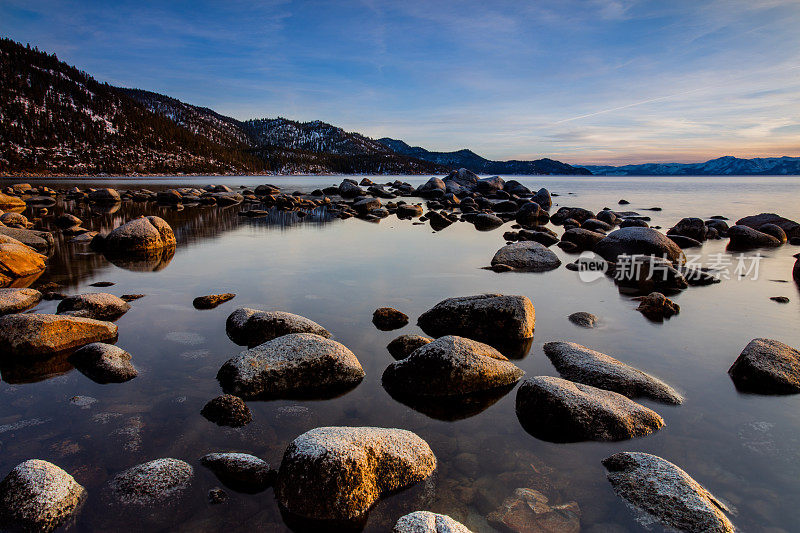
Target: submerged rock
767	366
240	471
580	364
492	318
527	255
38	496
40	334
338	473
140	235
389	318
227	410
451	366
298	363
657	307
104	363
427	522
212	300
665	493
18	300
402	346
251	327
558	410
486	222
150	484
98	305
528	510
638	241
583	319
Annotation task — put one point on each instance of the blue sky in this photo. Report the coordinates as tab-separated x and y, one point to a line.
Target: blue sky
583	81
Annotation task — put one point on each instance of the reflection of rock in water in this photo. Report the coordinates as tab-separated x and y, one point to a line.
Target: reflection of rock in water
32	371
152	261
514	349
450	408
278	217
104	209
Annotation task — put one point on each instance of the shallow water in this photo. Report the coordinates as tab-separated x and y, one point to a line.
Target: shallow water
743	448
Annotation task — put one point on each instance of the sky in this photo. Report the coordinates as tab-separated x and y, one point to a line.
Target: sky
582	81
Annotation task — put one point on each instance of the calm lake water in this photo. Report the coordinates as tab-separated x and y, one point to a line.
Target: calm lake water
744	448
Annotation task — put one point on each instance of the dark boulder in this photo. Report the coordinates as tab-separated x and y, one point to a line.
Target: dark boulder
767	366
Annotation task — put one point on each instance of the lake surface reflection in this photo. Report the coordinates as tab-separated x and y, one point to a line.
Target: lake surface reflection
743	448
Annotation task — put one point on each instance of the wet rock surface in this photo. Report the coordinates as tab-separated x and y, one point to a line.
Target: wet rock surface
767	366
389	318
227	410
338	473
583	319
240	471
527	256
427	522
492	318
38	496
298	363
18	300
155	483
104	363
558	410
97	305
251	327
662	492
41	334
583	365
636	240
451	366
212	300
655	306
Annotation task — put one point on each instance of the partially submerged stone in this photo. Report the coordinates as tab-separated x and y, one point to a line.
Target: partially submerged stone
240	471
251	327
212	300
338	473
529	510
41	334
97	305
451	366
580	364
155	483
38	496
767	366
657	307
104	363
558	410
428	522
227	410
389	318
583	319
638	241
404	345
140	235
492	318
294	364
528	256
18	300
662	492
18	262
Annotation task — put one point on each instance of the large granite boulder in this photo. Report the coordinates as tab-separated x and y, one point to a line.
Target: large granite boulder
18	300
428	522
529	256
693	228
38	496
41	241
451	366
19	264
103	363
140	236
767	366
638	241
98	305
558	410
294	364
31	335
338	473
251	327
580	364
104	196
8	202
487	317
155	483
662	491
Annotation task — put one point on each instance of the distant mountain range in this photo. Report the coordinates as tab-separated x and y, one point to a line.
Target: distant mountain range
723	166
58	120
472	161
